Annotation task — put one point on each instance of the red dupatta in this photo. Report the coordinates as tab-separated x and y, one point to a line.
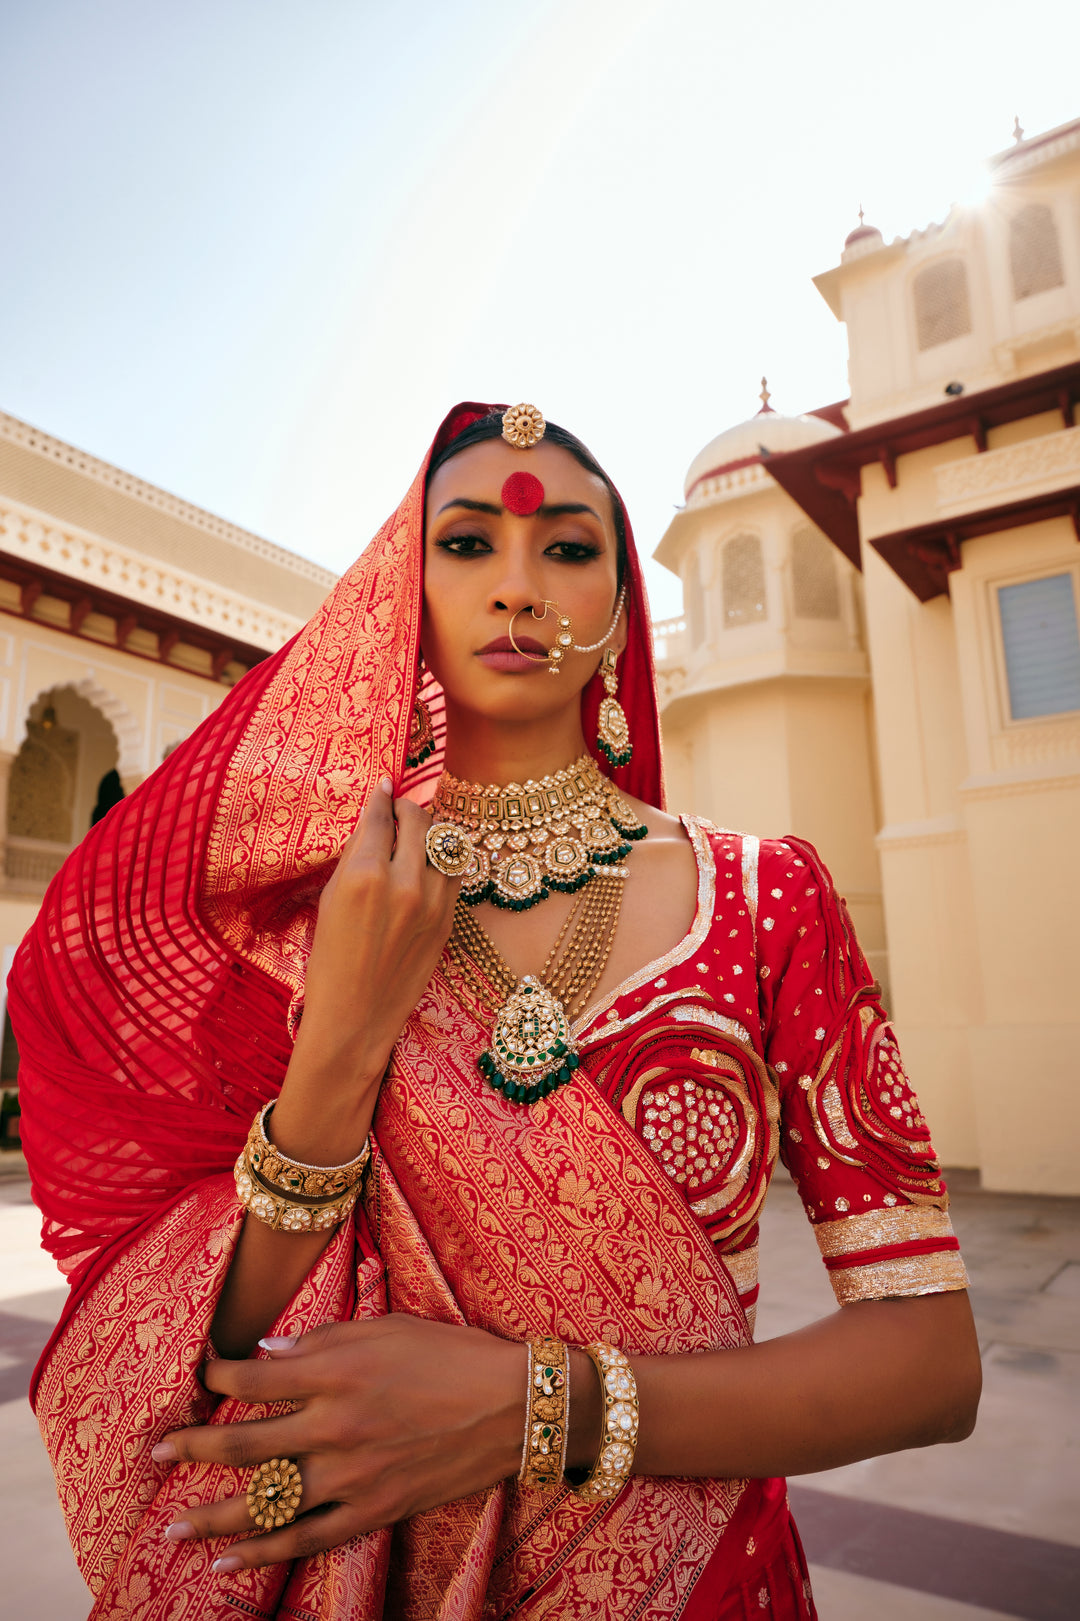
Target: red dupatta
149	997
150	1001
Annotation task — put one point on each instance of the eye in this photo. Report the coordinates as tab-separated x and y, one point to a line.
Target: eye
463	545
573	551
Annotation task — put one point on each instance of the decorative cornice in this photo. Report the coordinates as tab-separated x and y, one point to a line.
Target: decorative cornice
1040	149
1050	460
735	478
1003	785
921	835
114	478
35	538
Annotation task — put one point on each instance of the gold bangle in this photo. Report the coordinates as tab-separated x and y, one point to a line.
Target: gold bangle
292	1176
286	1215
544	1457
615	1461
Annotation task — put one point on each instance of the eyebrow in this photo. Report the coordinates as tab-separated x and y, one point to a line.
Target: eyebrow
562	509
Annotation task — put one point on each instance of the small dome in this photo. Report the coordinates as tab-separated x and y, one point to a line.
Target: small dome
743	444
862	233
863	239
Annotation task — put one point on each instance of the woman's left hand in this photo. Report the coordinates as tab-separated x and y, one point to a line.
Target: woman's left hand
392	1417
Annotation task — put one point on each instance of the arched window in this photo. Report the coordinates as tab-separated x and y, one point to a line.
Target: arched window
813	573
743	574
1034	251
41	791
694	597
942	309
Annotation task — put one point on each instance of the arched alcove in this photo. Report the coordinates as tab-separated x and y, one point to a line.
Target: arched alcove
815	588
69	750
942	306
1034	252
742	572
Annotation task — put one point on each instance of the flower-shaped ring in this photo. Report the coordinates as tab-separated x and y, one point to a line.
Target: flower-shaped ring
449	848
274	1493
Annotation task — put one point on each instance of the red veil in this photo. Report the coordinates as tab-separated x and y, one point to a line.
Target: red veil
150	998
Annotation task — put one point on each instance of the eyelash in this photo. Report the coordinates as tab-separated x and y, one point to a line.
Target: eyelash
584	552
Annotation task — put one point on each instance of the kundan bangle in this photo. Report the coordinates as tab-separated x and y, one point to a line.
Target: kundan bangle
292	1176
548	1393
284	1214
615	1462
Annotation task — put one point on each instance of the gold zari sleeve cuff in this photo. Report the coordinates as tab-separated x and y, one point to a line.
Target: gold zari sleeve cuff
906	1275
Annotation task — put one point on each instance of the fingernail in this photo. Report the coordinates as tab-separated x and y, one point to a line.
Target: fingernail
386	785
164	1452
179	1531
278	1342
230	1562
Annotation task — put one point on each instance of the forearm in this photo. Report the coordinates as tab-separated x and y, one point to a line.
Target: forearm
319	1122
873	1378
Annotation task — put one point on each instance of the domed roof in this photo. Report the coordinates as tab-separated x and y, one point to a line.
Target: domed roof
742	445
863	239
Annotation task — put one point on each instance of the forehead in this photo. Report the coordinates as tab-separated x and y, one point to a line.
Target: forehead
479	472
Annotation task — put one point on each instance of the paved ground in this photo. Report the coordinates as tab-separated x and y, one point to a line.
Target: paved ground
989	1528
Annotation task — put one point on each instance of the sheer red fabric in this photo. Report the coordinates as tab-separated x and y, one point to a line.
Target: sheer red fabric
150	998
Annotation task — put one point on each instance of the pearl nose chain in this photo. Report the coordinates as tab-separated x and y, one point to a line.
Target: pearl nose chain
564	639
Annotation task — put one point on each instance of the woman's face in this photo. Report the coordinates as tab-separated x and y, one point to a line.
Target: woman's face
484	563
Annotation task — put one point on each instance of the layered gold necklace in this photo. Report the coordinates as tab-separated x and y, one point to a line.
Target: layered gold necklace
530	839
571	832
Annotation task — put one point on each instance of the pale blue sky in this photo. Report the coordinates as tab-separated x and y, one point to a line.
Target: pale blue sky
252	250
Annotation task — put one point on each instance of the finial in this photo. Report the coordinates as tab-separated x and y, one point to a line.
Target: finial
861	215
1017	130
765	397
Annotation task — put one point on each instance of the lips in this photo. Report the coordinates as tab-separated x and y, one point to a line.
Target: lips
500	654
503	644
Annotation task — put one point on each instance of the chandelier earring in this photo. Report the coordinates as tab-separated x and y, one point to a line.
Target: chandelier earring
421	745
612	730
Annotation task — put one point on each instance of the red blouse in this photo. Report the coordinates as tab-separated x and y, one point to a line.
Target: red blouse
763	1031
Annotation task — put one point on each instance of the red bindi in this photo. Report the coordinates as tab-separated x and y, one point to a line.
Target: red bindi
522	494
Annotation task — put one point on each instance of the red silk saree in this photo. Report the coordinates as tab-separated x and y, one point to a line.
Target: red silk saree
152	1004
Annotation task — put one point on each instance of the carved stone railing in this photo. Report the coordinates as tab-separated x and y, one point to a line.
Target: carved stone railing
669	639
29	864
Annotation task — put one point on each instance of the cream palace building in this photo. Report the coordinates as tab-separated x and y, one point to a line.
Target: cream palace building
125	617
879	650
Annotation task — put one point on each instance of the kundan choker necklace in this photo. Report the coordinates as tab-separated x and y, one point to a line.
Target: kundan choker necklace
530	839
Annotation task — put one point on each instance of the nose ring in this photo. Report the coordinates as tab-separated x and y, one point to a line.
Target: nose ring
564	638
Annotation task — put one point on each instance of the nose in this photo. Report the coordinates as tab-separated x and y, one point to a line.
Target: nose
520	585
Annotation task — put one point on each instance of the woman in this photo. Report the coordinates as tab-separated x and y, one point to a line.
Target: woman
573	1032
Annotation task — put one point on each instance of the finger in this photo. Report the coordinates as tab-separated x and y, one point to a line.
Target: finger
238	1446
375	833
231	1517
281	1378
313	1533
410	853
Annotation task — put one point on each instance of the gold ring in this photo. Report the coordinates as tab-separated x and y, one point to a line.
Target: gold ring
449	848
274	1493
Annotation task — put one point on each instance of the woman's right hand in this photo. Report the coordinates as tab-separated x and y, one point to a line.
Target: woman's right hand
384	919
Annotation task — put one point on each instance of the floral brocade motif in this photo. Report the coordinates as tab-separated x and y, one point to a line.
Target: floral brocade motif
126	1372
327	728
552	1220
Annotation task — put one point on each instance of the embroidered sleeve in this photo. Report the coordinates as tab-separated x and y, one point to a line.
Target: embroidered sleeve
852	1133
